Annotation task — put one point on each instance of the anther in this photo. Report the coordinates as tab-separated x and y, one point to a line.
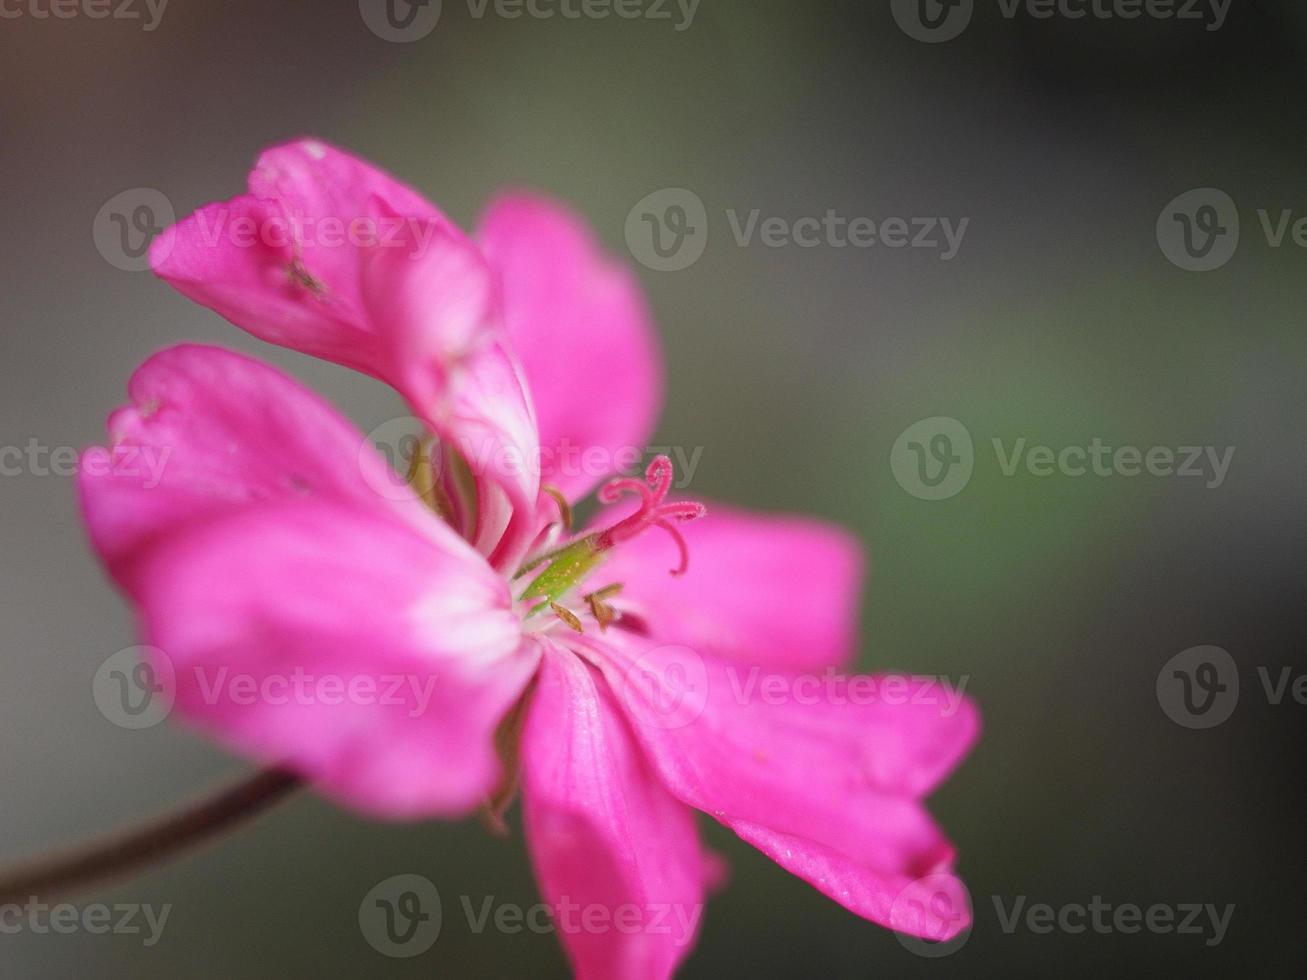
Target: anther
567	616
564	508
604	614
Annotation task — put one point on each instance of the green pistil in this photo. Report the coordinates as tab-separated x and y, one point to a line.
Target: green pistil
566	569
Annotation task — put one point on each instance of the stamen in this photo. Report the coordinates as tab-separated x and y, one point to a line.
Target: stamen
566	567
567	616
604	614
422	477
564	508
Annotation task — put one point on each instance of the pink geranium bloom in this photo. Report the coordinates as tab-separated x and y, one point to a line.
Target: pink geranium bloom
268	551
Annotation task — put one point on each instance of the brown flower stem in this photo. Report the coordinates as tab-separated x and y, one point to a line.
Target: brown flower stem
124	853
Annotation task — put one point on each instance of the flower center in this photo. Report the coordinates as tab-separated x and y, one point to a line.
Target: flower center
568	566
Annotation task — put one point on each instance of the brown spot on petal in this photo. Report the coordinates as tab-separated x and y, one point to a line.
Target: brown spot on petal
300	275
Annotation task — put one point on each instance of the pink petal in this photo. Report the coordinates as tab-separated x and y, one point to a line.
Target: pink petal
210	431
580	326
761	589
828	784
282	261
931	904
343	644
617	858
439	307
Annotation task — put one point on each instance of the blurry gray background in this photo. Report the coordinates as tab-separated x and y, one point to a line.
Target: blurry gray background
1059	320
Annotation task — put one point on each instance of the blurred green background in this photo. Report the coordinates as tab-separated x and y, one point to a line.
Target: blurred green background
1060	320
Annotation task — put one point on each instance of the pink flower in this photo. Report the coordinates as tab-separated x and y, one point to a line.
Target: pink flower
267	552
